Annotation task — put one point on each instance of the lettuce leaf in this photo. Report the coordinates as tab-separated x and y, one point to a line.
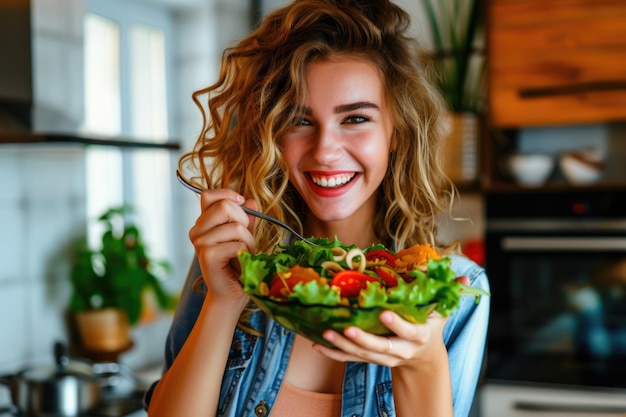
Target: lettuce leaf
313	292
254	269
374	295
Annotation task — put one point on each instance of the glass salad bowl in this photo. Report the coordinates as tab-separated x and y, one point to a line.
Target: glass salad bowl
309	289
311	321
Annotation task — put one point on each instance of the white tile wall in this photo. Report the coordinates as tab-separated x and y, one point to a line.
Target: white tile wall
12	244
12	326
41	209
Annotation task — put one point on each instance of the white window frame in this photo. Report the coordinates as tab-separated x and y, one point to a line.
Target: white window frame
119	166
127	13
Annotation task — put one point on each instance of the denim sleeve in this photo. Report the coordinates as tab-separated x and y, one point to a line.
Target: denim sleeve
465	337
184	319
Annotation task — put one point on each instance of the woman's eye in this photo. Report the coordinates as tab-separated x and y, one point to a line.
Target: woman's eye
357	119
302	122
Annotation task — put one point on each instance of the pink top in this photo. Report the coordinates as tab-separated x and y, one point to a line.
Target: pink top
295	402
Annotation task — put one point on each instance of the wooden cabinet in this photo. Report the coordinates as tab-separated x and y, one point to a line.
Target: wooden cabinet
555	62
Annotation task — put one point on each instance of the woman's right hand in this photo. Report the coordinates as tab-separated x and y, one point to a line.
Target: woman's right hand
221	230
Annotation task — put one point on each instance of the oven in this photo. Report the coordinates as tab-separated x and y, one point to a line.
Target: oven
557	267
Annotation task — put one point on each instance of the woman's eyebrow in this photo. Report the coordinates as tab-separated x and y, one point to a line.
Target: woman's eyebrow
343	108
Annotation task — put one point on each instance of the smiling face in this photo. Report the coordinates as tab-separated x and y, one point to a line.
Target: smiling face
339	151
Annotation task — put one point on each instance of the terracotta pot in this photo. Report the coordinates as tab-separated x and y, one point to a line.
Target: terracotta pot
103	330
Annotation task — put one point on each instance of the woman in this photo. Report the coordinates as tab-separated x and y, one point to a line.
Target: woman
325	119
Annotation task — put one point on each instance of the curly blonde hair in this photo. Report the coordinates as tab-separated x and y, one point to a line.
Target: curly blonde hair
260	88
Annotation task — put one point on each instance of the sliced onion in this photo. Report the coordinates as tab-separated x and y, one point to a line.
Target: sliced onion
354	253
332	266
339	254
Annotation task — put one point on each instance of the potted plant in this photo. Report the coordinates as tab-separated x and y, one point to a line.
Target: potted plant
459	70
110	285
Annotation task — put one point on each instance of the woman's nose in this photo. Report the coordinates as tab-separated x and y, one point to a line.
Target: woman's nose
326	146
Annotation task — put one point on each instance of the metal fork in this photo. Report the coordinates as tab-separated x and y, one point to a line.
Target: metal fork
250	211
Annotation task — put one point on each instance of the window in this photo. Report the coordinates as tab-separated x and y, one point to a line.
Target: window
126	69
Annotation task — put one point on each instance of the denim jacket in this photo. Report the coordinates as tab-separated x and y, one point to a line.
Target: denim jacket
257	364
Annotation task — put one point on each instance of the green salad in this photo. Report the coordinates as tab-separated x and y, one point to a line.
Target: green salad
310	288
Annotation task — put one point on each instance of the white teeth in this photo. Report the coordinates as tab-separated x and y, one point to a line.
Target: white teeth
332	182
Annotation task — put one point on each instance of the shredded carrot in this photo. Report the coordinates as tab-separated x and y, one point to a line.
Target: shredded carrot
416	255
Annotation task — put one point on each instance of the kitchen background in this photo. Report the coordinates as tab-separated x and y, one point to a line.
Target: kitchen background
51	192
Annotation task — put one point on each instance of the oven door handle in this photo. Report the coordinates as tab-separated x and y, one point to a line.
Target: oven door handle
525	243
569	408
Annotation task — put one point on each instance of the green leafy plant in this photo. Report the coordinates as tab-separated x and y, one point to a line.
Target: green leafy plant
118	274
455	25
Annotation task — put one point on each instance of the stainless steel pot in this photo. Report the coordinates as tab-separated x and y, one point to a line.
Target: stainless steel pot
52	392
66	389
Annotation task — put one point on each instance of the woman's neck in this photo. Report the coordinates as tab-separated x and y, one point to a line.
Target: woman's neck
360	236
357	230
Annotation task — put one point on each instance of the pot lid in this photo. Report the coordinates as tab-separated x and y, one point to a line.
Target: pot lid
64	366
47	372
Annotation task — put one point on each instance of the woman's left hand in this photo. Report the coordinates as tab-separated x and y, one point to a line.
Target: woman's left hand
411	344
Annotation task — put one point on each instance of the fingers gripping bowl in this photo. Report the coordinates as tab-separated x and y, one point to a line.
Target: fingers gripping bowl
309	289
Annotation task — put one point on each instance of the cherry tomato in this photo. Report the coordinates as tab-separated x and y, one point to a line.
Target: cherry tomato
388	275
282	283
381	255
350	283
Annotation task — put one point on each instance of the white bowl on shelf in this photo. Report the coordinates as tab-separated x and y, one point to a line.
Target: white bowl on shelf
530	170
581	167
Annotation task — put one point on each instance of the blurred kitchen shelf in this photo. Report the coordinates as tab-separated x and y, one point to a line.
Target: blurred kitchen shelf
49	138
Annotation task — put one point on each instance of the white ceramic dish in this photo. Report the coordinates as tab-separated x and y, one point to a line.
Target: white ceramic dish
580	168
530	170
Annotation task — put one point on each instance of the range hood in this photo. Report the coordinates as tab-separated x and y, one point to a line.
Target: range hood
22	119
